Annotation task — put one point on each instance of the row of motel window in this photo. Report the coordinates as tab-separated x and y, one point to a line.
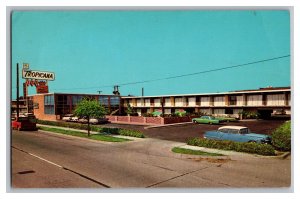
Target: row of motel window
252	100
63	102
205	111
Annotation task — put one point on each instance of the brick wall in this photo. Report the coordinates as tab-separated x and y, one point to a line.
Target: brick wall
136	119
39	112
111	118
148	120
122	118
154	120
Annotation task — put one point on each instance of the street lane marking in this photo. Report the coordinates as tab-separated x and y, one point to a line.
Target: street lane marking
38	157
45	160
67	169
152	185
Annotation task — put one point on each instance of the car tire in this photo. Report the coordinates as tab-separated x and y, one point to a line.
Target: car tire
194	121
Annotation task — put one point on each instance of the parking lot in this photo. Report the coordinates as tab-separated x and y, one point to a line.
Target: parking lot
181	133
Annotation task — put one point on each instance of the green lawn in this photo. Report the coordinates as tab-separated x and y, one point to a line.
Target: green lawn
99	137
193	152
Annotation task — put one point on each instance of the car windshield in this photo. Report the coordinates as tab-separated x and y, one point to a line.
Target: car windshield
212	117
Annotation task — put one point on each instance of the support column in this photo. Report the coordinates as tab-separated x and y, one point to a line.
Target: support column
211	100
226	98
244	100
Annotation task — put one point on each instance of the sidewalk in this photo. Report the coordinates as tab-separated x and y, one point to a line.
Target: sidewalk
85	131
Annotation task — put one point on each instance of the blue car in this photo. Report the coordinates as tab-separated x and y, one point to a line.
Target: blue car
237	134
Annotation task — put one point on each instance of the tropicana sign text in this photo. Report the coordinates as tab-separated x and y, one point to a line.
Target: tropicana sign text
41	75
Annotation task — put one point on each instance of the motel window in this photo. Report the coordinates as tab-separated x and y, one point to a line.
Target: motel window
63	104
49	104
103	100
76	99
114	101
232	100
228	111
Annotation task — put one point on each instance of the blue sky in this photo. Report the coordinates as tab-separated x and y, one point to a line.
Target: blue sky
94	50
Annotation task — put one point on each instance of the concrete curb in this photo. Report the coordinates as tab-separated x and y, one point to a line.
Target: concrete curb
209	150
284	155
232	153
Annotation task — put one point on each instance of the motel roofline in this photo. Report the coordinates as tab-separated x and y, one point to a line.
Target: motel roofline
261	90
59	93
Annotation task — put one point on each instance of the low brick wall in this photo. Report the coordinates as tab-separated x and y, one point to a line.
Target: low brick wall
154	120
137	119
148	120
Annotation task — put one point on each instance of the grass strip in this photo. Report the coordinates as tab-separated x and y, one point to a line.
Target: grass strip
194	152
106	138
246	147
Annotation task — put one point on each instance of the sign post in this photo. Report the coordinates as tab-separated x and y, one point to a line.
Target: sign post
18	90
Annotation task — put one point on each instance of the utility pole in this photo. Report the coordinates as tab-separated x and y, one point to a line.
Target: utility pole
18	91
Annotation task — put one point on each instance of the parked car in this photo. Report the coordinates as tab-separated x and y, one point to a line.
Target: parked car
237	134
82	120
74	119
24	122
94	120
206	120
67	117
99	120
226	119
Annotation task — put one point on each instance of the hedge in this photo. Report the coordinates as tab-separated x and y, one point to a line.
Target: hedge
131	133
261	149
115	131
281	137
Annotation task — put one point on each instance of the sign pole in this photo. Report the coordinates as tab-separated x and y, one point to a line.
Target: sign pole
17	90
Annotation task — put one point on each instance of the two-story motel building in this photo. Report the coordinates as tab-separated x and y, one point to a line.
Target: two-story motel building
53	106
264	101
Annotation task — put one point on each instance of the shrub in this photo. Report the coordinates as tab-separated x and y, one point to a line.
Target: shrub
261	149
132	133
250	115
281	137
147	115
63	124
115	131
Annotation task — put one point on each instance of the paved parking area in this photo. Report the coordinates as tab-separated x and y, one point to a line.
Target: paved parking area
181	133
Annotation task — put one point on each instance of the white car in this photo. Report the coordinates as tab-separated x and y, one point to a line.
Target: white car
98	120
74	119
67	117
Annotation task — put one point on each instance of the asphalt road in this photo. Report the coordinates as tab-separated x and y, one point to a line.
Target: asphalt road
46	160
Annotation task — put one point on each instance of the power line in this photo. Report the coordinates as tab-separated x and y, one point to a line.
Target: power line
185	75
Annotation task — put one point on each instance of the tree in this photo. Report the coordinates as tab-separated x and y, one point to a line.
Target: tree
89	108
129	110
